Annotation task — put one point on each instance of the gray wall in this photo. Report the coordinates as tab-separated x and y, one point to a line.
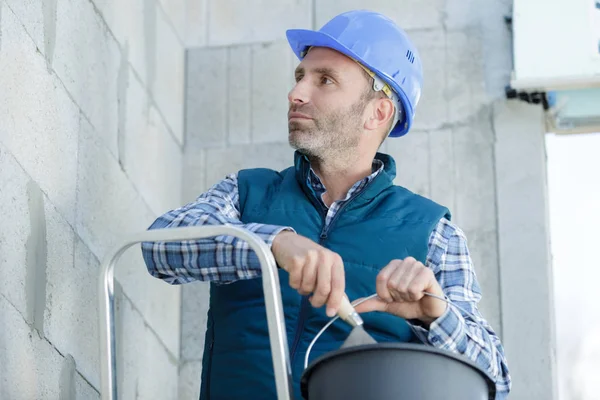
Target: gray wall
106	122
469	149
91	134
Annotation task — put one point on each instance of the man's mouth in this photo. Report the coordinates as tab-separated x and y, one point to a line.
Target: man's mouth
297	115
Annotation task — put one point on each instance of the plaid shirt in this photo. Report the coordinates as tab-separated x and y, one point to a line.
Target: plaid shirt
227	259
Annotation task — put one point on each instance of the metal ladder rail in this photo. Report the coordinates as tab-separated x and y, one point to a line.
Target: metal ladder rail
271	288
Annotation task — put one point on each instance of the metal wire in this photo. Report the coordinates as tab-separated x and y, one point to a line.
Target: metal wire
354	304
360	301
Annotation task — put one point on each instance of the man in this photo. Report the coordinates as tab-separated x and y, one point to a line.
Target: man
335	223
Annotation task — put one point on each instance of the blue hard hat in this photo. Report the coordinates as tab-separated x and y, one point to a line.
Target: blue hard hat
380	45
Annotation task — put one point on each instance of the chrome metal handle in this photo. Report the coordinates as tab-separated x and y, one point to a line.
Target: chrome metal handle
271	288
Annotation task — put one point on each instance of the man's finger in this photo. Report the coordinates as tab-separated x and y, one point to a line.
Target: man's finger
419	283
397	282
295	271
338	287
401	279
374	304
309	278
382	282
323	285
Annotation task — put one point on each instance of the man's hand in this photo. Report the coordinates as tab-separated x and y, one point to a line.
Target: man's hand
400	287
312	268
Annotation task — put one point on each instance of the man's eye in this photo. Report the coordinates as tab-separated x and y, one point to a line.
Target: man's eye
326	81
298	78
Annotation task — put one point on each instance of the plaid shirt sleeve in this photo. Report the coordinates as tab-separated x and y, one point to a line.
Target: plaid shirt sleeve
451	263
222	259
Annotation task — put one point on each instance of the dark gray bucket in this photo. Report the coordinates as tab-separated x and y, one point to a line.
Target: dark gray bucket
399	371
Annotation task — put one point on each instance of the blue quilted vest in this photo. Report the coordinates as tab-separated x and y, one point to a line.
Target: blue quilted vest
381	223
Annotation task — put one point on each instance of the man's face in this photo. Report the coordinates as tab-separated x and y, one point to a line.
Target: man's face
326	113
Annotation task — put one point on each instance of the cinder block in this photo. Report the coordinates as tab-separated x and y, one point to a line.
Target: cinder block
465	88
411	153
206	108
271	71
148	43
133	24
158	302
83	390
72	299
194	174
196	23
432	110
522	157
144	31
497	45
169	83
239	90
409	14
146	369
175	11
86	59
525	256
195	299
483	246
456	16
39	121
108	205
71	320
475	206
31	15
190	374
235	22
151	157
478	129
14	235
109	209
521	170
441	166
31	367
221	162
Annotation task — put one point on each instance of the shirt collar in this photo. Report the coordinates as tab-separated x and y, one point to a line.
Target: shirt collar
314	181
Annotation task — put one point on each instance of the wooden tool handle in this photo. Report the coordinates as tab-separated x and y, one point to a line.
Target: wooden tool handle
348	313
345	308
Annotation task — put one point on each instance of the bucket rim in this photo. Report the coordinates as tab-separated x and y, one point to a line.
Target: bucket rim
319	361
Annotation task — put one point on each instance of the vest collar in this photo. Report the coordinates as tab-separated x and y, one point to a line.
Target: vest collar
381	182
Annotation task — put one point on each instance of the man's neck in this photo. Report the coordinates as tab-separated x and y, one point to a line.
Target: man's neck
339	177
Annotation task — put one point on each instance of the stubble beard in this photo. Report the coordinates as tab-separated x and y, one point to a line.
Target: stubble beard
327	137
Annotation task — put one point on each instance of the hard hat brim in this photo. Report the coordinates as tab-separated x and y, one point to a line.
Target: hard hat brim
301	39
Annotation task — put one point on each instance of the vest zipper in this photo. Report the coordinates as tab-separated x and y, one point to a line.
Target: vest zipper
304	307
210	357
208	373
305	304
300	327
337	214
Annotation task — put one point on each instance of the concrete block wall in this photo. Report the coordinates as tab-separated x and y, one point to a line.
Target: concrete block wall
106	122
239	70
91	139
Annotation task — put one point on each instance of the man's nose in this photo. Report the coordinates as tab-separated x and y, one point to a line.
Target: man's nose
299	93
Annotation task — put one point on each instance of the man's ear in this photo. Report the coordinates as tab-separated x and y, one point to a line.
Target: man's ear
381	113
